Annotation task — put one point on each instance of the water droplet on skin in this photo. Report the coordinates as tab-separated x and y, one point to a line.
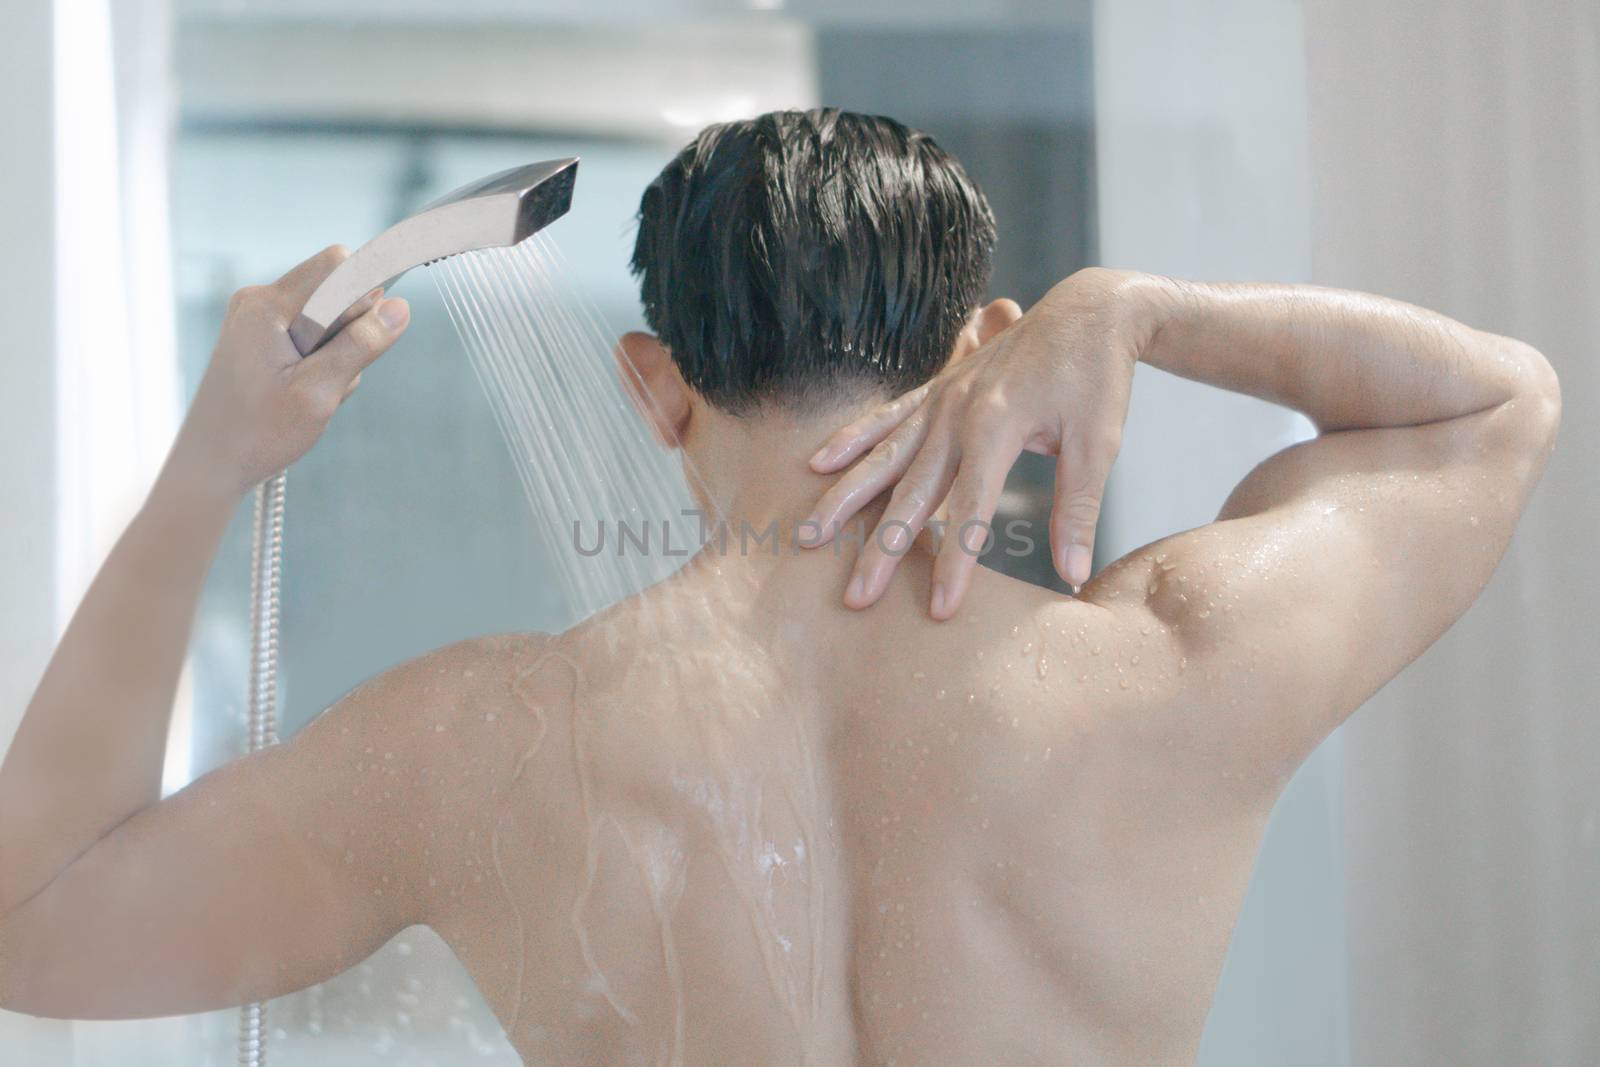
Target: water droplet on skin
1096	650
1133	662
1047	753
1183	661
939	695
918	675
1043	667
1123	684
1027	648
489	716
438	727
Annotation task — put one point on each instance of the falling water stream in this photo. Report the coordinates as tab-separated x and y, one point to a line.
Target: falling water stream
614	505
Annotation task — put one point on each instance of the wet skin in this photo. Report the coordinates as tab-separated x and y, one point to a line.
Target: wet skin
797	833
733	820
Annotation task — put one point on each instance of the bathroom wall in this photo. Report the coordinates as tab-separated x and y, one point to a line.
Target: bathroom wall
1456	154
27	412
1202	147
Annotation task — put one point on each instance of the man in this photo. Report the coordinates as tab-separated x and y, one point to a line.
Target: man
740	818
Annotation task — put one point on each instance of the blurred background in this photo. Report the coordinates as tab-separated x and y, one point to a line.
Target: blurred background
1427	891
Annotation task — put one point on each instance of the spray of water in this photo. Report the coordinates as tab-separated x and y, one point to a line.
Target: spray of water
595	478
614	505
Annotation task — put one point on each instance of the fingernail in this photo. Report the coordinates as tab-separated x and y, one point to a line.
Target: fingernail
820	459
858	589
895	539
938	598
1078	564
394	313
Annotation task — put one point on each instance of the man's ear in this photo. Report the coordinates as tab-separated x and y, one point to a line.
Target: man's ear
653	383
984	325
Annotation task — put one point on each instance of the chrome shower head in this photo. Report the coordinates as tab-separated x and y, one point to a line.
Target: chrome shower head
494	212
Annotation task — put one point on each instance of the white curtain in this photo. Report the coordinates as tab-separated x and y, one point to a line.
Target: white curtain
116	368
1455	158
115	360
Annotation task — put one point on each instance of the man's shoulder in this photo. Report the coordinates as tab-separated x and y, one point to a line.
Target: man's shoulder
441	695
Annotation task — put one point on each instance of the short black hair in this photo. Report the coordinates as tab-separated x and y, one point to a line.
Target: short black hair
788	258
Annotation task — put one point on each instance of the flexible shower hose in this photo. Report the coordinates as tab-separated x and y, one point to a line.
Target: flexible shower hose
261	708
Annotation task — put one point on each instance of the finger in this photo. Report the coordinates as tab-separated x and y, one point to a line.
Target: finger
852	439
301	281
365	304
351	388
336	364
915	497
973	497
1081	472
878	470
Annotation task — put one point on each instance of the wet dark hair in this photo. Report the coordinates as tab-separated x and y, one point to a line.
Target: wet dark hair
791	258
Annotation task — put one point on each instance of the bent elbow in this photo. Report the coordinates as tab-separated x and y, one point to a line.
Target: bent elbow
1540	396
1550	392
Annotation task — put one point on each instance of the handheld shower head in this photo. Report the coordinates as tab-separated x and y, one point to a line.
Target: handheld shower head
498	211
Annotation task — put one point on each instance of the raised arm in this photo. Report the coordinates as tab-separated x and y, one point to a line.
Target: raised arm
83	773
267	875
1330	567
1337	561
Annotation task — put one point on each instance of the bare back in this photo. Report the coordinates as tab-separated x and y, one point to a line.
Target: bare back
739	824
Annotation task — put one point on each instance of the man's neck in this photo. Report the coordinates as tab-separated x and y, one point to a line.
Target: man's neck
755	471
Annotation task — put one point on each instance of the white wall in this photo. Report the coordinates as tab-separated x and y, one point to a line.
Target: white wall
1201	139
27	414
27	423
1457	165
654	82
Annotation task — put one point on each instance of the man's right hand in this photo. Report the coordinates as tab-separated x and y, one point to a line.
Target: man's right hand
260	406
1056	382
